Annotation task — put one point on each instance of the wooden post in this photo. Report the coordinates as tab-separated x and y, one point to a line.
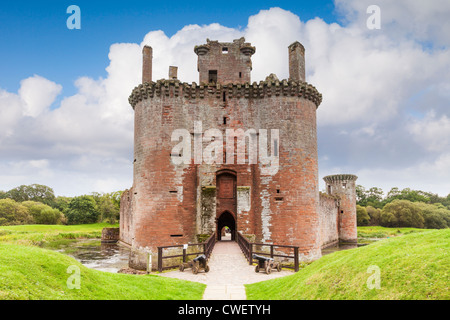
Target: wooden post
160	259
250	253
296	259
271	251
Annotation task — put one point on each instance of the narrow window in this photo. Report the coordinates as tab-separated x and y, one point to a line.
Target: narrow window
240	75
224	96
275	147
278	190
176	235
224	120
173	191
212	76
224	50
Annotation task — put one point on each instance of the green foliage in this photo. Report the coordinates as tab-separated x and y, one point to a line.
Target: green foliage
372	197
82	210
362	218
34	192
374	214
44	214
402	213
13	213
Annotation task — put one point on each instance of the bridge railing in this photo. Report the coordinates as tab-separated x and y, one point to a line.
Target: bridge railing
182	253
249	248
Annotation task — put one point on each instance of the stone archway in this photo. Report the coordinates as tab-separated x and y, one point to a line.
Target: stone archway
226	219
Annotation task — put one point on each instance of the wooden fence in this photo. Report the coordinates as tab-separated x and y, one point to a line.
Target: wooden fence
248	250
206	249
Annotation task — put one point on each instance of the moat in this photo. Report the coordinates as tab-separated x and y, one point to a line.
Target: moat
112	257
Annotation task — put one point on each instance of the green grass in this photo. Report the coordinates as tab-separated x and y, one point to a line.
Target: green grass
382	232
413	266
32	273
40	235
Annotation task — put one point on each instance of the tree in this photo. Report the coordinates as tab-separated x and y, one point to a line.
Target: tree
82	210
108	209
375	215
13	213
406	214
34	192
362	218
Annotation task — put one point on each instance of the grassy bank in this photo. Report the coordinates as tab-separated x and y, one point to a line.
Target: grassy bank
383	232
31	273
40	235
413	266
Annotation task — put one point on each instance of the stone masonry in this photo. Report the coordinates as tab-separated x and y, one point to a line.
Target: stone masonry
170	204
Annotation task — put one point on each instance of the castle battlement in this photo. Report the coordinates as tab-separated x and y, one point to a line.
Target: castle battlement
263	89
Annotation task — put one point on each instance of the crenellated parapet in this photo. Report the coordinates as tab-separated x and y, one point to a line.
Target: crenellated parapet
246	90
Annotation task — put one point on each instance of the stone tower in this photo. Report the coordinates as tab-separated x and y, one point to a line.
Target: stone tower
343	186
226	152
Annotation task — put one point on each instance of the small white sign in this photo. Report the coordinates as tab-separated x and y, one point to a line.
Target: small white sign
185	246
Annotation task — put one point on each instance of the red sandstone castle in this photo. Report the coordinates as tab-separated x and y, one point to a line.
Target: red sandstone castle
172	202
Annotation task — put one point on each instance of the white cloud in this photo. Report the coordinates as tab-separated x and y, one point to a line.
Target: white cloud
38	94
369	80
432	133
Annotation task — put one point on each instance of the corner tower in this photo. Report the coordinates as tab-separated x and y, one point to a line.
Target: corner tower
344	187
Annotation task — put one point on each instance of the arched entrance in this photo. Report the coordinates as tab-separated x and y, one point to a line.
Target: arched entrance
226	219
226	202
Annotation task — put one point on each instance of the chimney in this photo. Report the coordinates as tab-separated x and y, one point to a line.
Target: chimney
297	62
173	73
147	56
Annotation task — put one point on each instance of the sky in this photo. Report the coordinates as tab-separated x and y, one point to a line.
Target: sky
65	120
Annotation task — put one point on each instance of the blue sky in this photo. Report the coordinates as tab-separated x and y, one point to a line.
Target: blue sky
65	120
37	41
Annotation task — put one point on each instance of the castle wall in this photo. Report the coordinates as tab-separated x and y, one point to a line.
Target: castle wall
278	208
126	216
328	215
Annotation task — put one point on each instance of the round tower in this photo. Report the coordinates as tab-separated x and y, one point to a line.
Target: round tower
343	186
181	193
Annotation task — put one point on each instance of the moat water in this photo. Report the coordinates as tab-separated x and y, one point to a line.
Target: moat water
113	257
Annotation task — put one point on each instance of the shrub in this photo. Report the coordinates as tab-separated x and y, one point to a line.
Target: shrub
43	214
406	214
362	218
13	213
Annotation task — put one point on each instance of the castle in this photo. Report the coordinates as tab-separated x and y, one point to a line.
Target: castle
229	152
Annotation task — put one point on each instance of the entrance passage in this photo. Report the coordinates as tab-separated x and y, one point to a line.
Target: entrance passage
226	219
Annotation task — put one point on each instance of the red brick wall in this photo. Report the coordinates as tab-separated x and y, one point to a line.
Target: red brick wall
288	217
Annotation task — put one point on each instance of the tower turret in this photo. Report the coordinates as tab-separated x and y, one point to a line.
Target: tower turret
224	62
344	187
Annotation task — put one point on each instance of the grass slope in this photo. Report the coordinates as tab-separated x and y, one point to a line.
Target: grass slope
31	273
413	266
42	234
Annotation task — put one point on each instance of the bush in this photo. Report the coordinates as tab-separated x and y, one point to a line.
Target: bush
13	213
82	210
362	218
375	215
406	214
43	214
